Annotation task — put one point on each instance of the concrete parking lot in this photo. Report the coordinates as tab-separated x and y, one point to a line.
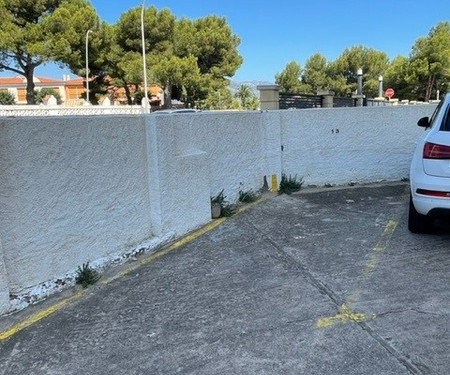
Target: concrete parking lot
326	281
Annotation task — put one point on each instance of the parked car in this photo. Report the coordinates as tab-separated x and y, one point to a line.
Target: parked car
181	110
430	171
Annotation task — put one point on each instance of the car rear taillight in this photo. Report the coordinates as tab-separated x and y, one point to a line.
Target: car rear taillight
436	151
434	193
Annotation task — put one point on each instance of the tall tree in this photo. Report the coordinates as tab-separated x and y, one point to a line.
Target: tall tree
39	31
290	78
430	60
316	72
211	41
247	97
371	61
399	76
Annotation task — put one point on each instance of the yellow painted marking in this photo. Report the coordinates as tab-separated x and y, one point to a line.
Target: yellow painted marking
40	315
274	183
344	315
145	260
386	236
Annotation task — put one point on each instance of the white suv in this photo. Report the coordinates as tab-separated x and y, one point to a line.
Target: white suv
430	171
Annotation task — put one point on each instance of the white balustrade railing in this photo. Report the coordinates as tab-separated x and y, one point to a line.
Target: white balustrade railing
43	110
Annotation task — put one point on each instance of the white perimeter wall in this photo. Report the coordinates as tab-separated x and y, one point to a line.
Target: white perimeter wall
342	145
78	189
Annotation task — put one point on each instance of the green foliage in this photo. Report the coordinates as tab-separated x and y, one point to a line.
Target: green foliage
417	77
290	184
430	61
248	196
372	62
226	209
222	98
219	198
6	98
247	98
290	79
86	275
41	94
194	55
316	73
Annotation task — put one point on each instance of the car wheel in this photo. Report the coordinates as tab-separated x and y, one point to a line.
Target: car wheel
418	223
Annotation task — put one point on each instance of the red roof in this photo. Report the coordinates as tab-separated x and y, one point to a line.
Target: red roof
20	80
12	80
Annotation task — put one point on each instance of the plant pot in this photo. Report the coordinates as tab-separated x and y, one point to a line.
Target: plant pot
215	210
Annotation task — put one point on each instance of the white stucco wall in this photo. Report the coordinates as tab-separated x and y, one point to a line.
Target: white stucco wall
343	145
81	188
4	288
71	191
233	143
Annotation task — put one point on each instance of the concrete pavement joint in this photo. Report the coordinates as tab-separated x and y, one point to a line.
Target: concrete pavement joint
105	281
345	313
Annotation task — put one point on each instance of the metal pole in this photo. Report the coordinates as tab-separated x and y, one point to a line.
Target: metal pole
380	86
87	66
359	87
143	60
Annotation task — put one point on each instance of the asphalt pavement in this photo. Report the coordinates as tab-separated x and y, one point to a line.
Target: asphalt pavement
325	281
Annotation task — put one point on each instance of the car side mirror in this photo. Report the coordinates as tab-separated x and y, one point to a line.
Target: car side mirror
424	122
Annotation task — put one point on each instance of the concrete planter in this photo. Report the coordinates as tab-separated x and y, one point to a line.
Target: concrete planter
215	210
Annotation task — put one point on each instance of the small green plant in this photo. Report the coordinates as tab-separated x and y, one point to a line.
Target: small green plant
219	198
290	184
86	275
247	196
226	209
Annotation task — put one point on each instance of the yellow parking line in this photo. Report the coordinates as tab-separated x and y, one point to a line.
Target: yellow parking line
40	315
345	313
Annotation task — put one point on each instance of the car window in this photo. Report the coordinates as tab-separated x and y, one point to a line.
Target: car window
446	122
436	111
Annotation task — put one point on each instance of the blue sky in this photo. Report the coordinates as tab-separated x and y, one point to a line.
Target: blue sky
275	32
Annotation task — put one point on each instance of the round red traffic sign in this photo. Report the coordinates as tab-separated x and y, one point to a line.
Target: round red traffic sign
389	93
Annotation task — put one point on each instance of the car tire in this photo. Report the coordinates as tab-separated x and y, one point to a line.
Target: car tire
418	223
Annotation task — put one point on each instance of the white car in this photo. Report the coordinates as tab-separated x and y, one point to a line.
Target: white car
430	171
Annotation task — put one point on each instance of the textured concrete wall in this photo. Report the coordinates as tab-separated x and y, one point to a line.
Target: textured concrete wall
343	145
4	288
77	189
232	141
71	191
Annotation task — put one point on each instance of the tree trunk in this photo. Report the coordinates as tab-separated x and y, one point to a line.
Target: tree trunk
29	73
168	95
127	91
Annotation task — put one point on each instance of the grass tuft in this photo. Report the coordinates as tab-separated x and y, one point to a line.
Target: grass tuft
86	275
289	185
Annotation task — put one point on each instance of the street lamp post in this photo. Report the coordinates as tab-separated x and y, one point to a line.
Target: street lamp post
380	86
87	66
143	59
359	74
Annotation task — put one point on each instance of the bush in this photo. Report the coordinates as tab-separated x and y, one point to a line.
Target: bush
6	98
41	94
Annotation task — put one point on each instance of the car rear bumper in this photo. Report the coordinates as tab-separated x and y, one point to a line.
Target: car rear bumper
427	204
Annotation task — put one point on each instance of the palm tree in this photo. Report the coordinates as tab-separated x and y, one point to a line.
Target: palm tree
244	94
